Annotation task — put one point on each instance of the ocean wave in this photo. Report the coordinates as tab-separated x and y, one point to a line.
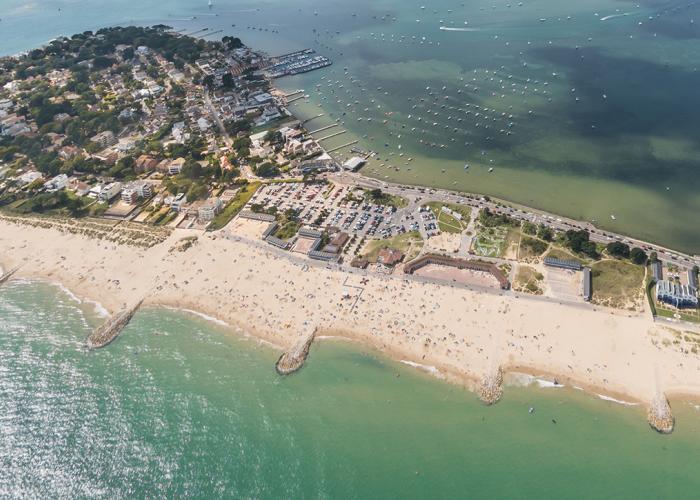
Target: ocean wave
67	292
548	384
199	314
618	401
525	379
427	368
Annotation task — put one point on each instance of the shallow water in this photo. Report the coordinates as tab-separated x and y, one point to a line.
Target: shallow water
180	406
599	98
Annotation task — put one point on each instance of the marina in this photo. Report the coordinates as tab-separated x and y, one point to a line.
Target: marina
296	63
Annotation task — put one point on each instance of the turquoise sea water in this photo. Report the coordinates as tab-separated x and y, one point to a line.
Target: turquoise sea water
587	108
178	406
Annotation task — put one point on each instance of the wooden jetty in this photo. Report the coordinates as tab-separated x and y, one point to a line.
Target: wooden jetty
341	147
323	128
330	135
110	329
292	361
312	118
5	277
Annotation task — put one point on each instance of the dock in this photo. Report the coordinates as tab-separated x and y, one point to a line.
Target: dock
292	361
323	128
343	146
212	33
331	135
5	277
110	330
312	118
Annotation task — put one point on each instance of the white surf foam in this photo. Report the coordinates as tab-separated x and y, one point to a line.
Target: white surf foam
618	401
201	315
427	368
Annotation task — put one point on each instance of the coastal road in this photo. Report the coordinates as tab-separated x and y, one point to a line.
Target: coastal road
557	223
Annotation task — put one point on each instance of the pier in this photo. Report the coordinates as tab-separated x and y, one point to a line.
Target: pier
212	33
110	330
292	361
298	91
5	277
331	135
343	146
294	99
323	128
312	118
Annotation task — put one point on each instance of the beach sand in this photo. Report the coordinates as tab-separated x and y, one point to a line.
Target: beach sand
464	334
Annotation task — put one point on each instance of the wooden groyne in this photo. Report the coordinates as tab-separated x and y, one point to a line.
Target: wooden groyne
659	416
5	277
291	361
491	388
110	329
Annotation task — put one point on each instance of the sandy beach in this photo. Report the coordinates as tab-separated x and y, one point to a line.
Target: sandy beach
464	334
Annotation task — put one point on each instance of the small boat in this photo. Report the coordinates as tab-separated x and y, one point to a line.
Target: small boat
531	410
613	217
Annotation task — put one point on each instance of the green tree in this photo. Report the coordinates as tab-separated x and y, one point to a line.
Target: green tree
618	249
529	228
638	256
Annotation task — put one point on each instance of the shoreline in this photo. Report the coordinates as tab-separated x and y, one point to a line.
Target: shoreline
462	333
514	377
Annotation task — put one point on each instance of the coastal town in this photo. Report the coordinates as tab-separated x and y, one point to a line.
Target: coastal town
137	131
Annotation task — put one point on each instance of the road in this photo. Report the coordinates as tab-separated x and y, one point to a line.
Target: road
553	221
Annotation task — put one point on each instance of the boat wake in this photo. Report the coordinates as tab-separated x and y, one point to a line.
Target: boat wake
446	28
613	16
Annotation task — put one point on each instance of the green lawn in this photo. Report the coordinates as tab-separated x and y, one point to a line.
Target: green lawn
617	283
287	230
409	243
386	199
239	201
446	222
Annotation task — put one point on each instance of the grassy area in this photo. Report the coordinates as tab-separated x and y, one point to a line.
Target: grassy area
448	223
409	243
617	283
378	197
491	241
287	230
560	253
528	280
239	201
531	248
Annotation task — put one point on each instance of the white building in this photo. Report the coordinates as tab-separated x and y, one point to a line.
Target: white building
175	166
57	183
354	163
134	191
29	177
108	192
178	202
210	209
